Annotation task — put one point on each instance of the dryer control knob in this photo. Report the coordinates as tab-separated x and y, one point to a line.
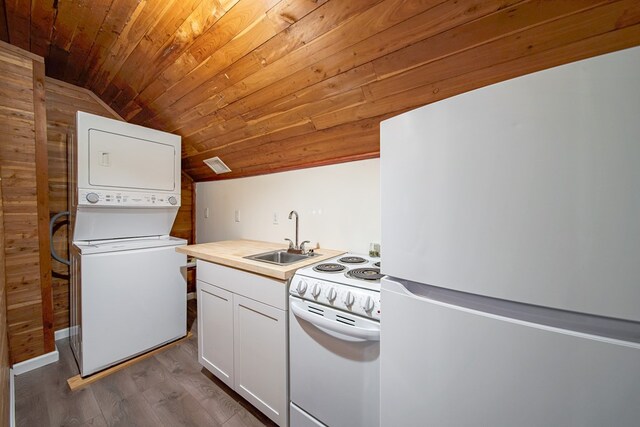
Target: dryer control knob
302	287
331	295
316	290
93	198
349	299
173	200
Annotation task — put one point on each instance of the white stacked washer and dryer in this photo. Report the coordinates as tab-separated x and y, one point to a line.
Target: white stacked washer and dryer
128	286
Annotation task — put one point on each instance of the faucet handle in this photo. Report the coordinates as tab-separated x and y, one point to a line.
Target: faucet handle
290	243
302	245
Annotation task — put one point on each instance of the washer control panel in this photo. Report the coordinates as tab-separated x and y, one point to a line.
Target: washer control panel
126	199
358	301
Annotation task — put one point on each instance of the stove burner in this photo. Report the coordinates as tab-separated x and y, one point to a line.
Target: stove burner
329	268
365	273
352	260
377	264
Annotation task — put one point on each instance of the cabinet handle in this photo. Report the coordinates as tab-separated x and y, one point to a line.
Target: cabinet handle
352	331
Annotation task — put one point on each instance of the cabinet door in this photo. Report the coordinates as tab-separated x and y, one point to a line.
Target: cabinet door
215	331
261	357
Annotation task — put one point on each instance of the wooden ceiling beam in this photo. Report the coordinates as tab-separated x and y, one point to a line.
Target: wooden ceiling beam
345	141
339	84
4	29
256	143
431	21
421	95
202	53
70	14
18	18
514	19
186	19
93	16
342	114
547	35
610	41
145	18
455	15
112	27
43	15
206	84
297	34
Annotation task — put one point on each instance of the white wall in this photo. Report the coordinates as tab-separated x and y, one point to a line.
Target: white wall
339	206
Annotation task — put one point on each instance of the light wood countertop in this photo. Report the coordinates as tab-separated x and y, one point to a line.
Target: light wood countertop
231	253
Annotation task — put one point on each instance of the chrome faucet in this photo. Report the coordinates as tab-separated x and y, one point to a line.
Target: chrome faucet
293	247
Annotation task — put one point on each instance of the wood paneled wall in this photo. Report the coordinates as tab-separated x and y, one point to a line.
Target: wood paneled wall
63	101
23	163
4	335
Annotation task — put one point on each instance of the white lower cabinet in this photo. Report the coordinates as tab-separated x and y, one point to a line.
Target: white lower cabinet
260	356
215	318
242	335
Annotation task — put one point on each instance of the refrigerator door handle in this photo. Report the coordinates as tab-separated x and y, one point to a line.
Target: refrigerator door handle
367	334
618	331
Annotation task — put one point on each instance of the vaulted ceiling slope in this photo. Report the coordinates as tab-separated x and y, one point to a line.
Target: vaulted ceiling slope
271	85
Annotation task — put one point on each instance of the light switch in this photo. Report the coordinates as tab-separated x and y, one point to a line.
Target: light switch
237	215
206	212
275	218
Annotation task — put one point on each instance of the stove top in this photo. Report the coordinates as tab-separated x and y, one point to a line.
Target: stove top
329	267
352	259
355	270
370	274
349	283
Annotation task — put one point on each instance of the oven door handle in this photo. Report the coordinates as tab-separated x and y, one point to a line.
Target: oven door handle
352	331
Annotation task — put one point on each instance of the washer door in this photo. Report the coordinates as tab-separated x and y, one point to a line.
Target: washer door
131	301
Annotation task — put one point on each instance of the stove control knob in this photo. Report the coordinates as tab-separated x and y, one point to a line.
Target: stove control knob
302	287
331	295
316	290
369	304
93	198
349	299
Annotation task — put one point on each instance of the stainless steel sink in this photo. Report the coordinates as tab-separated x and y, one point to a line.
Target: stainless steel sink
280	257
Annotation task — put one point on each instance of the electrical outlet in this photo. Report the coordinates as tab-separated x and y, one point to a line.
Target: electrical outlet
275	218
237	215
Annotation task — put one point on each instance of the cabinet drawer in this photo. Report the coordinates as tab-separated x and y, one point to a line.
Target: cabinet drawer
260	288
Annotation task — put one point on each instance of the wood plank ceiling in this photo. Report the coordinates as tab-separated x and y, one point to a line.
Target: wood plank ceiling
272	85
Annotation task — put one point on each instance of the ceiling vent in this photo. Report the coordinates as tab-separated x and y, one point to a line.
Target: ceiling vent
217	165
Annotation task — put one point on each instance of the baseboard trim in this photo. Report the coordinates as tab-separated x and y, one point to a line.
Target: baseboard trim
12	399
36	362
62	334
191	295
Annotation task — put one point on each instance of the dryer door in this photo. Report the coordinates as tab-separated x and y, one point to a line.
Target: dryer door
133	163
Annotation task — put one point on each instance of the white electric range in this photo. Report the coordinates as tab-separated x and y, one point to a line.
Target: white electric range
334	343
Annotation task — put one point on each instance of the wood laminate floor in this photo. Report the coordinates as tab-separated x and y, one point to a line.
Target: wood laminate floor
169	389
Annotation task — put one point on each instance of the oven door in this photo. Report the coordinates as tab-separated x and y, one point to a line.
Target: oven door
334	367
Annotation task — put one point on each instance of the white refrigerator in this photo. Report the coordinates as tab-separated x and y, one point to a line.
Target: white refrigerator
511	241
